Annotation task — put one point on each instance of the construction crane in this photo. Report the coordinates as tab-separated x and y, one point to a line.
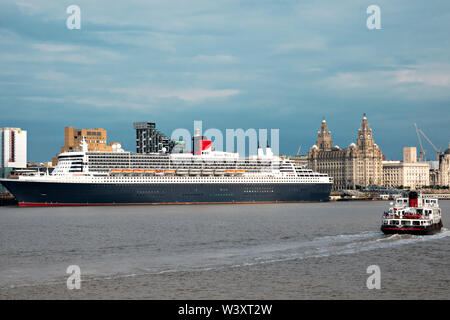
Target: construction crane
422	152
298	151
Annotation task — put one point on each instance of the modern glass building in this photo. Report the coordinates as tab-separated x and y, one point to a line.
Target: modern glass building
150	140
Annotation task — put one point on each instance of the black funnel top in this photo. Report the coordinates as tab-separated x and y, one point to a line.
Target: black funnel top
413	195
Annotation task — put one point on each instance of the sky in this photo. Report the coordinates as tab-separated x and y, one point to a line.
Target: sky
278	64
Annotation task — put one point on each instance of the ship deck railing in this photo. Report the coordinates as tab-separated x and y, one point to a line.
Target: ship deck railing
404	216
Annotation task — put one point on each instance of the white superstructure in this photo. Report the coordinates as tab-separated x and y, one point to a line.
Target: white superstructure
209	167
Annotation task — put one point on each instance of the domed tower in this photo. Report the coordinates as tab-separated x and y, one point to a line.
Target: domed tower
447	152
369	160
365	139
324	142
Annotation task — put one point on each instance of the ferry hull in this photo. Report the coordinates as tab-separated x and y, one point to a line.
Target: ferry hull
416	230
36	193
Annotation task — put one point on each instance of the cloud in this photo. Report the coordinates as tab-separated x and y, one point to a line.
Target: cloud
430	75
308	44
427	75
51	76
194	95
134	98
92	101
213	59
188	95
51	52
48	47
300	58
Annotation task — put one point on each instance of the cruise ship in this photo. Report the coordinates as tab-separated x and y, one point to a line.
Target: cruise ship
204	176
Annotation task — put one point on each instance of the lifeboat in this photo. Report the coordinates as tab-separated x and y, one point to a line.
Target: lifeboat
194	172
207	172
169	171
230	172
116	170
182	172
219	172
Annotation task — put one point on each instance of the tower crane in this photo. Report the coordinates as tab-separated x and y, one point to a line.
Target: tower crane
420	131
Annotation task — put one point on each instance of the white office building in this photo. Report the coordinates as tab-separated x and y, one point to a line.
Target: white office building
13	148
408	173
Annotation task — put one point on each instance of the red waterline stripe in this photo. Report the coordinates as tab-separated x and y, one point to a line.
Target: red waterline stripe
38	204
409	228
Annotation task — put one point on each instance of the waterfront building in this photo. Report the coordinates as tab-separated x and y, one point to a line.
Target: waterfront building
13	151
409	173
444	168
359	165
440	170
150	140
13	148
96	140
434	177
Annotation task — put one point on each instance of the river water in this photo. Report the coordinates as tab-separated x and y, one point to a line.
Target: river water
249	251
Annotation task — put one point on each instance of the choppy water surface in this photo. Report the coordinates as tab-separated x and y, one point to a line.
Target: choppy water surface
272	251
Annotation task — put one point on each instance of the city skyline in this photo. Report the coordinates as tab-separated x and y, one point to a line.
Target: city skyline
273	65
428	155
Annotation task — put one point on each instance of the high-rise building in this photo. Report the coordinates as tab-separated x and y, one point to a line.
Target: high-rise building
96	140
409	154
150	140
13	151
358	165
13	148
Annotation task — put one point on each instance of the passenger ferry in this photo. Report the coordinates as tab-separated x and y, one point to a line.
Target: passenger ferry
205	176
413	215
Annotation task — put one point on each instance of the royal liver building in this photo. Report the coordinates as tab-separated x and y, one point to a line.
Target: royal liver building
361	164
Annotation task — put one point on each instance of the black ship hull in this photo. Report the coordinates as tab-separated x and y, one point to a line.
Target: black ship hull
30	193
415	230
